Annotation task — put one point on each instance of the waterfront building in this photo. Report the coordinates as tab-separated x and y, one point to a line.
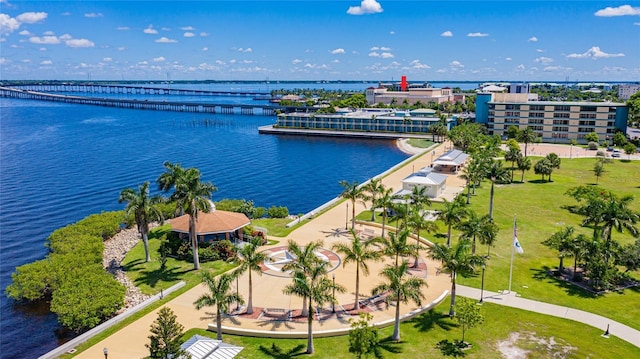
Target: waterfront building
554	121
212	226
625	91
433	183
417	121
450	161
411	95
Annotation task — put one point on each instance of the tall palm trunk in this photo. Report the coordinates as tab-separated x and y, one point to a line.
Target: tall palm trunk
384	220
357	303
250	301
145	242
310	348
194	242
219	322
452	310
304	306
491	203
353	215
473	246
449	235
415	263
396	326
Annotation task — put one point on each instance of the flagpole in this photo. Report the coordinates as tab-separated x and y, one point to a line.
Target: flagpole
512	251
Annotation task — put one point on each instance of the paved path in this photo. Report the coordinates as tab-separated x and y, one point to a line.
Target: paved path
511	299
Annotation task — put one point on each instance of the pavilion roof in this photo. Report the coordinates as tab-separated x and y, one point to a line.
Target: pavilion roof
213	222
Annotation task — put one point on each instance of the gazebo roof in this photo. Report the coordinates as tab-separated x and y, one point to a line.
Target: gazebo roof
213	222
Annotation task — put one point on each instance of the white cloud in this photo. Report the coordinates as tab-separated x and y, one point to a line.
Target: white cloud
65	37
387	55
539	50
66	13
107	59
165	29
375	48
79	43
218	62
46	62
187	28
508	59
49	33
520	67
594	53
366	7
203	34
441	71
31	17
43	49
205	49
556	68
24	33
636	23
337	51
26	61
543	60
417	65
158	59
392	32
166	40
618	11
150	30
189	34
385	48
374	54
2	60
296	61
447	34
456	64
477	34
248	49
93	14
122	28
335	61
8	24
533	39
48	40
122	48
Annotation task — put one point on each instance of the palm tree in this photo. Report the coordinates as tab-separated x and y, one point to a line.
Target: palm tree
561	241
417	221
358	252
193	196
512	156
304	259
403	287
554	162
488	234
315	286
167	180
476	227
396	246
418	197
578	248
374	188
452	214
220	295
250	260
456	260
527	136
495	172
385	201
524	164
144	211
352	192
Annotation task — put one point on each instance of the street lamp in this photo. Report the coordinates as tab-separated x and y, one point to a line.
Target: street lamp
333	303
106	352
482	285
571	151
346	220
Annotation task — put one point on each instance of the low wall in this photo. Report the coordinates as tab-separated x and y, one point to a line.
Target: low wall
69	346
280	334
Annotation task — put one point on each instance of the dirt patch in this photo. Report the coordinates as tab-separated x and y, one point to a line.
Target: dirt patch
524	345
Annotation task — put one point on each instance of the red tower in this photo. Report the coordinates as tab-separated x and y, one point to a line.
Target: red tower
403	84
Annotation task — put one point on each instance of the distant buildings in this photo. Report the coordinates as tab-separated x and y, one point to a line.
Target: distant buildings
410	94
625	91
554	121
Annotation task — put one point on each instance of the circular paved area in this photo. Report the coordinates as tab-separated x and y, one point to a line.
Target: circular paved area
280	256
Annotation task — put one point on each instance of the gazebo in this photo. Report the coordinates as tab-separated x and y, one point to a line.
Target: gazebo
212	226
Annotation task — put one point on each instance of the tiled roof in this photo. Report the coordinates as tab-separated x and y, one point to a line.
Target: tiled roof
213	222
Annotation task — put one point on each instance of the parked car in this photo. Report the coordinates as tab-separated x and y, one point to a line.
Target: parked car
616	153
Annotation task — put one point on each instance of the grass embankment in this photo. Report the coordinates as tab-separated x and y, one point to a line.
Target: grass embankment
539	210
543	336
420	143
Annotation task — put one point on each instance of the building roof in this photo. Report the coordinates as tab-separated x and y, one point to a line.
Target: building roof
561	103
451	158
425	178
215	221
200	347
493	88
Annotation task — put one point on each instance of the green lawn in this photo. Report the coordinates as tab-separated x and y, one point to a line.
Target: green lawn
420	335
420	143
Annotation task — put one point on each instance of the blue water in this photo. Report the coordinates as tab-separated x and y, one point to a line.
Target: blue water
60	163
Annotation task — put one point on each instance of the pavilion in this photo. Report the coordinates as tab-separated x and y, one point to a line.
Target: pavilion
212	226
450	161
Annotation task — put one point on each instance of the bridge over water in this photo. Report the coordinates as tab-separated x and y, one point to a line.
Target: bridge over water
177	106
131	89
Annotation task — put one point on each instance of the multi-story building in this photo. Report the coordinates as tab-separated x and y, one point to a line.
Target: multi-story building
554	121
625	91
411	95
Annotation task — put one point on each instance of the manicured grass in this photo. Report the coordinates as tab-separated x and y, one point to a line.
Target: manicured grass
420	143
150	279
420	335
539	210
276	227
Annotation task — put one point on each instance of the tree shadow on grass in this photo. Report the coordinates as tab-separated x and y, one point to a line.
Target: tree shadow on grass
132	266
152	277
428	320
543	275
538	181
274	351
387	345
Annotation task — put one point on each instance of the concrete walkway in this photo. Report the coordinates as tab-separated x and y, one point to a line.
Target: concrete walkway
511	299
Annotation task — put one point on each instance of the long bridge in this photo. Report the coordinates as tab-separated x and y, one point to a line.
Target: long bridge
243	109
130	89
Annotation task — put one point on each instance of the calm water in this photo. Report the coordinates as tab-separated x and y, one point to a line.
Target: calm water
60	163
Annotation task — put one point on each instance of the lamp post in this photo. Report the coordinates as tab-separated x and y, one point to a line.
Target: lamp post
571	151
333	303
106	352
346	219
482	286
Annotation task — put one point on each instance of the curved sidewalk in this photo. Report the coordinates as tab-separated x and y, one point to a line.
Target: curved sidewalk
511	299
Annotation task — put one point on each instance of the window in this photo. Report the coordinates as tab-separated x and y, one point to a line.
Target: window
612	117
587	115
536	114
560	129
511	113
536	108
560	122
536	128
536	121
562	108
559	135
512	120
560	115
588	108
512	107
585	129
587	123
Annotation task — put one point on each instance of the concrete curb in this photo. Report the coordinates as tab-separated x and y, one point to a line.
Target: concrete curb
69	347
323	333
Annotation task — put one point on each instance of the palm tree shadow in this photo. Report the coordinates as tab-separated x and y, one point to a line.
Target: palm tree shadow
388	345
428	320
151	278
274	351
542	274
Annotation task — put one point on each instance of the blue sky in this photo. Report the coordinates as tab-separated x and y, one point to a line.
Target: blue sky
320	40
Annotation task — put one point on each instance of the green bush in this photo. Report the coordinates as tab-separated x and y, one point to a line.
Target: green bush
592	145
258	212
225	249
278	212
